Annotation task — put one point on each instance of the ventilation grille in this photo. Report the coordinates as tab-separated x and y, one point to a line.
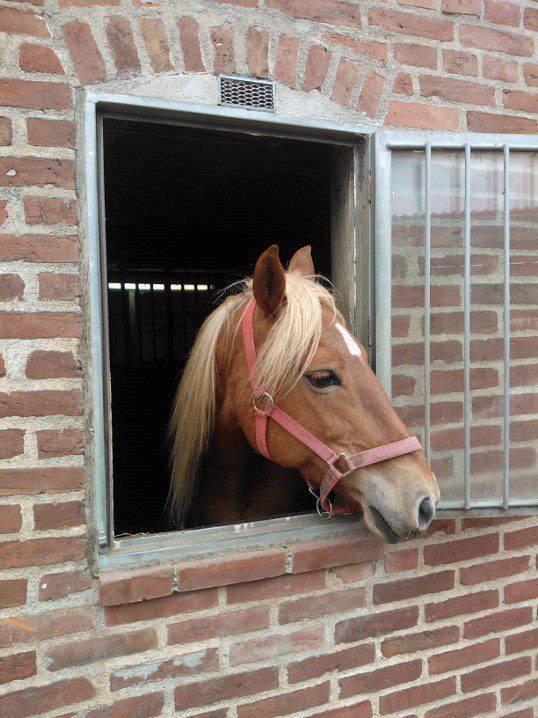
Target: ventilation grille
241	92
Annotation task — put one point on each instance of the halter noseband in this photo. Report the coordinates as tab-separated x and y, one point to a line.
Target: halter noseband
265	407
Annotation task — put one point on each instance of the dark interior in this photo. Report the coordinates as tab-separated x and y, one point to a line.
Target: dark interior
188	211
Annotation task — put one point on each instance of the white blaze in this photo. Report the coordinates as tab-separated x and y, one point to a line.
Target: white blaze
351	344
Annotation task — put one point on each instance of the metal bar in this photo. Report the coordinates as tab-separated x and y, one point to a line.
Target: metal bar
427	287
506	358
467	331
383	258
417	140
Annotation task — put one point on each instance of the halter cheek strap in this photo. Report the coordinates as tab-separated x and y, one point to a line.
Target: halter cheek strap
265	408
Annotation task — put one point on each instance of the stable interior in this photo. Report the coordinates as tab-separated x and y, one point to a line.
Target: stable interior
187	212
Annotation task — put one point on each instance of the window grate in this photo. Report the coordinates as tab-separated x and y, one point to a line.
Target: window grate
244	92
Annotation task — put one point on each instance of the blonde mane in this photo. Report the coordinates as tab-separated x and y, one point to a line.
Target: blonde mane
292	341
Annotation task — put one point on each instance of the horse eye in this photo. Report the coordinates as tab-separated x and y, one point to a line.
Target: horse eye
323	379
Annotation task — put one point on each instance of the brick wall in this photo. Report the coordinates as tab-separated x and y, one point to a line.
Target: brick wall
343	629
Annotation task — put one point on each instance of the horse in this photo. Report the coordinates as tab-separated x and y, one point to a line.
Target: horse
304	363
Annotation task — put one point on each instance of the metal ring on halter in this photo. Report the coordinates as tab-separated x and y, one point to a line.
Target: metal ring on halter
269	400
319	510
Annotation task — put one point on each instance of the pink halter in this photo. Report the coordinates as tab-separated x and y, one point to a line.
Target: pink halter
265	407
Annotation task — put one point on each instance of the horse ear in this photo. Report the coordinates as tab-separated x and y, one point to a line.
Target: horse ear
269	281
302	262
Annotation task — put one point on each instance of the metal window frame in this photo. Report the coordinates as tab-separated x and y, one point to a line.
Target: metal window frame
385	142
108	550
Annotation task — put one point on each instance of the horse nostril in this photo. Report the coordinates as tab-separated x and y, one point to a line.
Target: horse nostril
426	511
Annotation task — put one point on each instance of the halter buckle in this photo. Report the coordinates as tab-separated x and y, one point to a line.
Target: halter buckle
268	401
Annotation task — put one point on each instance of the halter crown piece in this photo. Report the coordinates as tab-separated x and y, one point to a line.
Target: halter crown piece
265	408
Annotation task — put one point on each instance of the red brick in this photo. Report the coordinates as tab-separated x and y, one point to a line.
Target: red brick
461	549
35	325
355	572
449	88
289	702
12	592
330	552
519	693
460	63
37	171
503	13
407	297
403	560
497	622
17	666
253	650
229	623
33	95
29	628
59	442
462	7
157	46
6	137
36	481
11	287
413	642
190	44
522	101
338	661
521	591
445	381
49	210
417	695
416	55
462	657
59	287
516	540
370	94
160	607
10	519
375	624
470	603
481	522
89	650
39	58
322	605
50	133
368	48
275	587
41	403
524	430
333	12
497	673
54	586
41	699
181	666
488	122
133	586
380	678
43	364
466	708
530	72
445	439
403	85
39	551
493	570
84	52
346	77
145	706
122	45
15	21
222	39
524	641
257	49
530	18
404	589
59	516
285	70
38	248
410	24
488	461
403	385
485	38
11	443
355	710
223	571
497	68
213	690
317	64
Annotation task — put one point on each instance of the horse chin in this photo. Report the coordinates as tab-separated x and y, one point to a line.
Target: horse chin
377	523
